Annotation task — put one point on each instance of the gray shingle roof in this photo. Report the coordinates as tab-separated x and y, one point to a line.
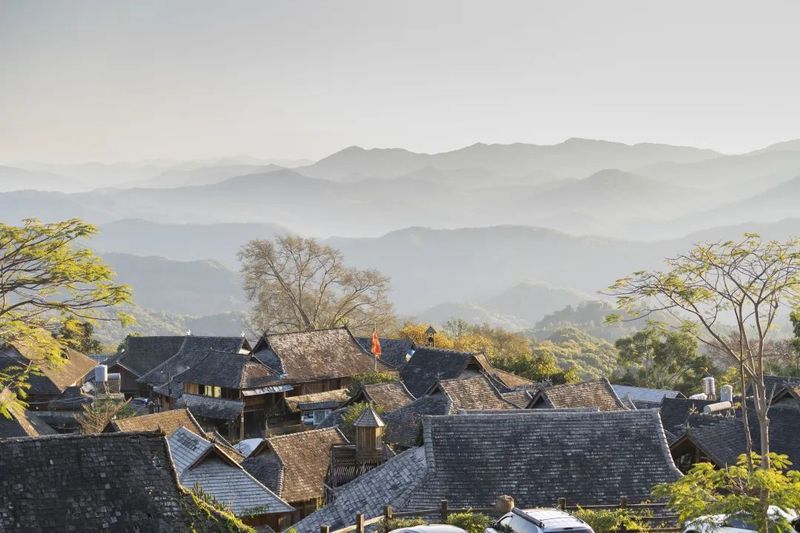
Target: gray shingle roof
368	419
113	481
142	354
385	396
214	408
198	462
228	369
393	351
722	438
390	483
404	426
22	423
536	456
428	365
675	411
597	394
643	395
192	350
541	455
51	380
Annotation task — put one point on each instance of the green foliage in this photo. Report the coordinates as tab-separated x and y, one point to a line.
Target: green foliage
79	335
369	378
399	523
593	317
590	357
50	282
663	359
469	521
706	490
612	520
351	415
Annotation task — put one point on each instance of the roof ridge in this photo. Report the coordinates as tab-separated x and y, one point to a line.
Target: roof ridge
301	432
76	436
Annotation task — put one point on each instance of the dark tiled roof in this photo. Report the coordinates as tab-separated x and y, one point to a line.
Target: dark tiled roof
391	483
72	399
165	421
229	370
393	351
597	394
315	355
213	408
774	384
200	462
586	457
506	381
300	461
53	380
675	412
143	354
428	365
113	481
192	350
536	456
404	426
474	393
723	439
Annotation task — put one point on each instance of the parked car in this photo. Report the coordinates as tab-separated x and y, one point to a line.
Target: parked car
739	522
540	520
433	528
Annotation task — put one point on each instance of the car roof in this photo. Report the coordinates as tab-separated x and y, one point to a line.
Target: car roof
436	528
552	518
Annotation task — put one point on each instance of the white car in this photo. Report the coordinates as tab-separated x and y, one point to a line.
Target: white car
540	520
434	528
738	523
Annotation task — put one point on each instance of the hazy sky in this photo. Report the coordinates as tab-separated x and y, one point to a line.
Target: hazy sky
115	80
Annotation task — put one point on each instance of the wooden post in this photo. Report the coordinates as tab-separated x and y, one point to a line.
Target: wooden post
388	513
443	510
623	502
562	504
360	523
324	529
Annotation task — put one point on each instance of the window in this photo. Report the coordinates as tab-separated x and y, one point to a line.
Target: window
210	390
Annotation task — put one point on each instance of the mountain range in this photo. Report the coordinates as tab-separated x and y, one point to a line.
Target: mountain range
502	234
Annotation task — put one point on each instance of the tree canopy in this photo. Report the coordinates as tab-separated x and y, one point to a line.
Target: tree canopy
299	284
47	281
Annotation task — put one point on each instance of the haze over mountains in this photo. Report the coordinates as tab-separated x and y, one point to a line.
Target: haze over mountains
497	233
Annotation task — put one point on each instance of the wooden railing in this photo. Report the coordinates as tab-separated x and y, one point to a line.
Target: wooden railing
444	511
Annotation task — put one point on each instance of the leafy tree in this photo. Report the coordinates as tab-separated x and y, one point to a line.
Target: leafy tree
706	490
508	351
79	336
662	358
746	282
298	284
370	378
46	280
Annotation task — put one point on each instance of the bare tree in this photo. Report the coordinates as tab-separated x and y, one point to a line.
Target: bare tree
298	284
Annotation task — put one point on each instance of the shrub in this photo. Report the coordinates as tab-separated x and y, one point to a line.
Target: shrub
398	523
611	520
469	521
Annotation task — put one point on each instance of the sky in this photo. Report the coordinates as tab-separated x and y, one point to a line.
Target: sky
186	79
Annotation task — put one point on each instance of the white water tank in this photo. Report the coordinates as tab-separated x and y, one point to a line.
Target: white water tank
100	374
726	393
701	396
709	388
716	407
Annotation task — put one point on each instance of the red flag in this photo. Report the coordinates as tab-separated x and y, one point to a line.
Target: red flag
376	343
